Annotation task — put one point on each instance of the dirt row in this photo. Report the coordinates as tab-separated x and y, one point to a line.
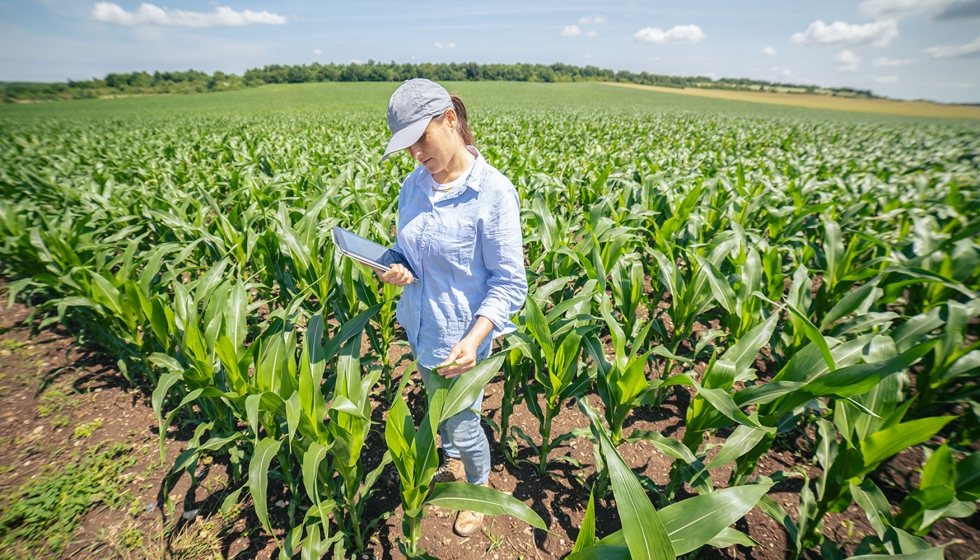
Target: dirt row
61	402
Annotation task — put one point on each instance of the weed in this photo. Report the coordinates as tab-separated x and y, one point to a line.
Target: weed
131	538
55	402
495	542
44	513
86	429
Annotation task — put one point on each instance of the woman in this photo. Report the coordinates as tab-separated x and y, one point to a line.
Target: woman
459	229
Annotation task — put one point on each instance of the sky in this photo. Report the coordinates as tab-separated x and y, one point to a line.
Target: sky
908	49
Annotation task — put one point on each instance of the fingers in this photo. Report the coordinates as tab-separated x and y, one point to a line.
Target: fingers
453	355
397	275
463	360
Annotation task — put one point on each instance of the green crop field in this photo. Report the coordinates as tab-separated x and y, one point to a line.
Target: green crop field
780	278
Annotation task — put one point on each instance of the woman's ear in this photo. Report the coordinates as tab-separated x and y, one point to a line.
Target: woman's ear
450	118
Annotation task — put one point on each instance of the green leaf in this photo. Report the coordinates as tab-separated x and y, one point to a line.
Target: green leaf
691	523
314	455
349	329
812	332
258	477
870	498
930	554
861	378
164	384
537	325
968	478
720	287
939	469
236	308
668	446
293	413
772	508
728	537
742	440
744	352
853	301
465	388
882	445
642	527
586	533
464	496
602	552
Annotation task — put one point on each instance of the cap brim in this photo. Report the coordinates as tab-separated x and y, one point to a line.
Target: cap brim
406	137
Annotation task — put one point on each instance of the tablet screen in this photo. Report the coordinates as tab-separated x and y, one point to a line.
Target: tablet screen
364	248
367	250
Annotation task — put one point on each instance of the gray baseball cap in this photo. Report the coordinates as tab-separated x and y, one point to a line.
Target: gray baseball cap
412	106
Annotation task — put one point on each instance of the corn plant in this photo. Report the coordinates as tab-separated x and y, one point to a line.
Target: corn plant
413	450
517	368
947	489
868	441
553	343
671	531
622	383
690	289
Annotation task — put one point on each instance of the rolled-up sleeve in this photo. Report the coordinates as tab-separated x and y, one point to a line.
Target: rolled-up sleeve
503	256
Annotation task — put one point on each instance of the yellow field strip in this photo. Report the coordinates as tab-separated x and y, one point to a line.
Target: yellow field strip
812	101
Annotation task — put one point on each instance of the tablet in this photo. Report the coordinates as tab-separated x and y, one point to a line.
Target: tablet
367	251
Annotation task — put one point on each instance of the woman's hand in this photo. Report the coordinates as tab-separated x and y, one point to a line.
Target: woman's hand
397	275
462	358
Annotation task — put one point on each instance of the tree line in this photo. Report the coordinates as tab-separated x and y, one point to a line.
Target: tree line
194	81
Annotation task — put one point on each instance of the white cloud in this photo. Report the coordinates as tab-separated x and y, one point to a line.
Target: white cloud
898	9
848	61
769	51
317	51
891	62
591	34
571	31
149	14
592	20
952	51
441	46
885	79
685	34
879	33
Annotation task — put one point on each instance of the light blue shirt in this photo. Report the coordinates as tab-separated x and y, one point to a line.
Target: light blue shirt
468	255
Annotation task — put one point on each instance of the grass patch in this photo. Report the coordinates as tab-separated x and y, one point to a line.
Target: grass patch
57	405
87	429
43	514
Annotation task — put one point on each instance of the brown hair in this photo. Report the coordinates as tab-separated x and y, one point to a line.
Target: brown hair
463	127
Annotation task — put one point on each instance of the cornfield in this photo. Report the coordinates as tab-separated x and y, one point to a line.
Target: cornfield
796	277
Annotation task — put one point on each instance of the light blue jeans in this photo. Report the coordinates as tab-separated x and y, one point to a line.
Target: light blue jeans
463	438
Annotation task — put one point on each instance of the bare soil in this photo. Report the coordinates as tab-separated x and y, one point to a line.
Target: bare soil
33	437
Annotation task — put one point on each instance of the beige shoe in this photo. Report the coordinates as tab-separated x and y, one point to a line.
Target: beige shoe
451	470
467	523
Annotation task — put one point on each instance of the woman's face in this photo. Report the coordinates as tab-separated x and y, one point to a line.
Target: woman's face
436	147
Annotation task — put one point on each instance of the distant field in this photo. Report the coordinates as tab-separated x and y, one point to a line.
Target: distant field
369	99
810	101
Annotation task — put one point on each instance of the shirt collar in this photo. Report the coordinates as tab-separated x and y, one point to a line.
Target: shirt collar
472	180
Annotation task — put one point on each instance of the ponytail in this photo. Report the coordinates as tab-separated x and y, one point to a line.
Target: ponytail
462	126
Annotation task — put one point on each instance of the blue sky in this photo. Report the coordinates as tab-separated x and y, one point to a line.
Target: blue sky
900	48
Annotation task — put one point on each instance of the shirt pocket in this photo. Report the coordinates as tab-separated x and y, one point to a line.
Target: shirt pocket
453	242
